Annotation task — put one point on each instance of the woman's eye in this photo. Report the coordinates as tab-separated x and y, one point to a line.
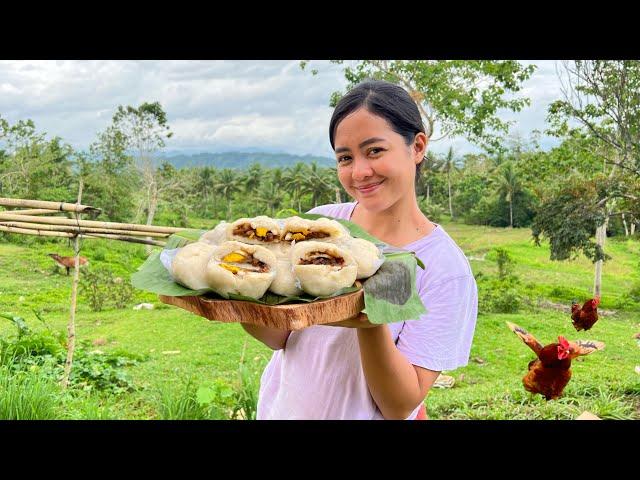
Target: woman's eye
343	159
375	151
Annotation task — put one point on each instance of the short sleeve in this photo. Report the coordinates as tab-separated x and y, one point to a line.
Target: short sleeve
441	338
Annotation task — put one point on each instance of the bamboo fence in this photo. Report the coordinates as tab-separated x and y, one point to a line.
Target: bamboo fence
36	217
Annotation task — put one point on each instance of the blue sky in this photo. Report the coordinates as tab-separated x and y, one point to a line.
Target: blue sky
214	105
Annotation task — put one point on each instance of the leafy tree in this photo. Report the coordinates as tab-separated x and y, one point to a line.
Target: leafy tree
143	130
462	97
603	97
228	183
110	177
508	185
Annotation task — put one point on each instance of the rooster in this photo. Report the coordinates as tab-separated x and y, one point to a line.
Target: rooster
68	262
584	318
550	372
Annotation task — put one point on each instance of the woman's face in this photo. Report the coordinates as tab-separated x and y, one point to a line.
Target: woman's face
375	165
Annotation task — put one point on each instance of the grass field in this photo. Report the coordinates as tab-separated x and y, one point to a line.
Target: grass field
182	349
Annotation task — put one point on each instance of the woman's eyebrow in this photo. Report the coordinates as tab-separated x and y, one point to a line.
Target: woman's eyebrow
362	144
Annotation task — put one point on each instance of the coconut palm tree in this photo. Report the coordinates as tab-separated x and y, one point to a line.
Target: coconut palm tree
253	178
319	183
508	184
270	196
227	185
204	185
431	165
295	180
449	165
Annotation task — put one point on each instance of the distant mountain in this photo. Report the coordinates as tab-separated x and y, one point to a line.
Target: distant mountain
242	160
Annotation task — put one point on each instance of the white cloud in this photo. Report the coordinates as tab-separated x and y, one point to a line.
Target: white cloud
211	105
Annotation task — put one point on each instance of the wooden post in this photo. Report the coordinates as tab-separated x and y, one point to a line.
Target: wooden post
71	329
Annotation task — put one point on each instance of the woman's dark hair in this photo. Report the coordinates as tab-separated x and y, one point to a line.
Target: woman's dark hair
386	100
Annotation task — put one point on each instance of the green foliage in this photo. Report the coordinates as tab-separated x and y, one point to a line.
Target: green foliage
501	294
44	352
433	211
464	96
103	371
505	263
246	393
26	395
189	403
568	217
101	289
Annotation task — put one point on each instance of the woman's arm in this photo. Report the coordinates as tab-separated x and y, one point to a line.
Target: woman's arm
396	385
273	338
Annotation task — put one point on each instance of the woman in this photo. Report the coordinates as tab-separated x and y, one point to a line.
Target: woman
358	370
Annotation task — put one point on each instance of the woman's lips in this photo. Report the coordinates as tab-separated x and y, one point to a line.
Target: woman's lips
369	188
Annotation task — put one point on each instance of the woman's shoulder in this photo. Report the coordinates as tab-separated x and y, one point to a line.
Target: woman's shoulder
442	256
336	210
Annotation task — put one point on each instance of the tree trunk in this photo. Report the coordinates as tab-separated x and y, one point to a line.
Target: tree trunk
428	191
151	211
71	328
626	229
450	205
633	228
601	235
511	213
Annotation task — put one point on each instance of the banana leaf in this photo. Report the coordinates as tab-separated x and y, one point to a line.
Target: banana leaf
390	294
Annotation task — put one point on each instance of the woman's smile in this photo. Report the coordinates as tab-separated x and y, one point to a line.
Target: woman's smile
369	188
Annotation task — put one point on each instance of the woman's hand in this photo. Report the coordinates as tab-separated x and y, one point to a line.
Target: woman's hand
359	321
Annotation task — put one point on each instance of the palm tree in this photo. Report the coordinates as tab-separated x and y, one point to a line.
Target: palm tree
448	165
253	178
508	184
319	183
204	184
270	195
431	165
295	179
227	185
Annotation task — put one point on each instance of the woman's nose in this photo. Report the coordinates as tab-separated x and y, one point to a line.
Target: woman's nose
361	169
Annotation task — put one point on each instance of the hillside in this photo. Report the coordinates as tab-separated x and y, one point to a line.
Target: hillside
242	160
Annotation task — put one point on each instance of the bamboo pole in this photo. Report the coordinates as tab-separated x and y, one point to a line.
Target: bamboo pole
70	229
123	238
58	206
71	335
32	211
88	223
46	233
26	231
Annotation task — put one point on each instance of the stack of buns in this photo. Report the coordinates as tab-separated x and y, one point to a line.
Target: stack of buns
285	256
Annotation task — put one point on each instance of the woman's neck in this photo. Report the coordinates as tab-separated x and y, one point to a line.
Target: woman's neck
399	225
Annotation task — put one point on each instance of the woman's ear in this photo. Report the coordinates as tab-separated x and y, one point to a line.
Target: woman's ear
420	147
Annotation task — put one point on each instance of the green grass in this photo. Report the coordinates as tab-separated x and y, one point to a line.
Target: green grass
208	352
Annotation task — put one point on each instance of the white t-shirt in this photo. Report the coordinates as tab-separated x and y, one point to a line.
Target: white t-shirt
318	375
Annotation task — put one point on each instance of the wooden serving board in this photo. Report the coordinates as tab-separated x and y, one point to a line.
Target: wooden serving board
292	316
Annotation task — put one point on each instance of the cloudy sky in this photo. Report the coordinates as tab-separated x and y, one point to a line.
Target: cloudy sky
212	105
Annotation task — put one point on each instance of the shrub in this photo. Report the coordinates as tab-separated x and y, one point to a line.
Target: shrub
499	296
101	289
433	211
45	352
